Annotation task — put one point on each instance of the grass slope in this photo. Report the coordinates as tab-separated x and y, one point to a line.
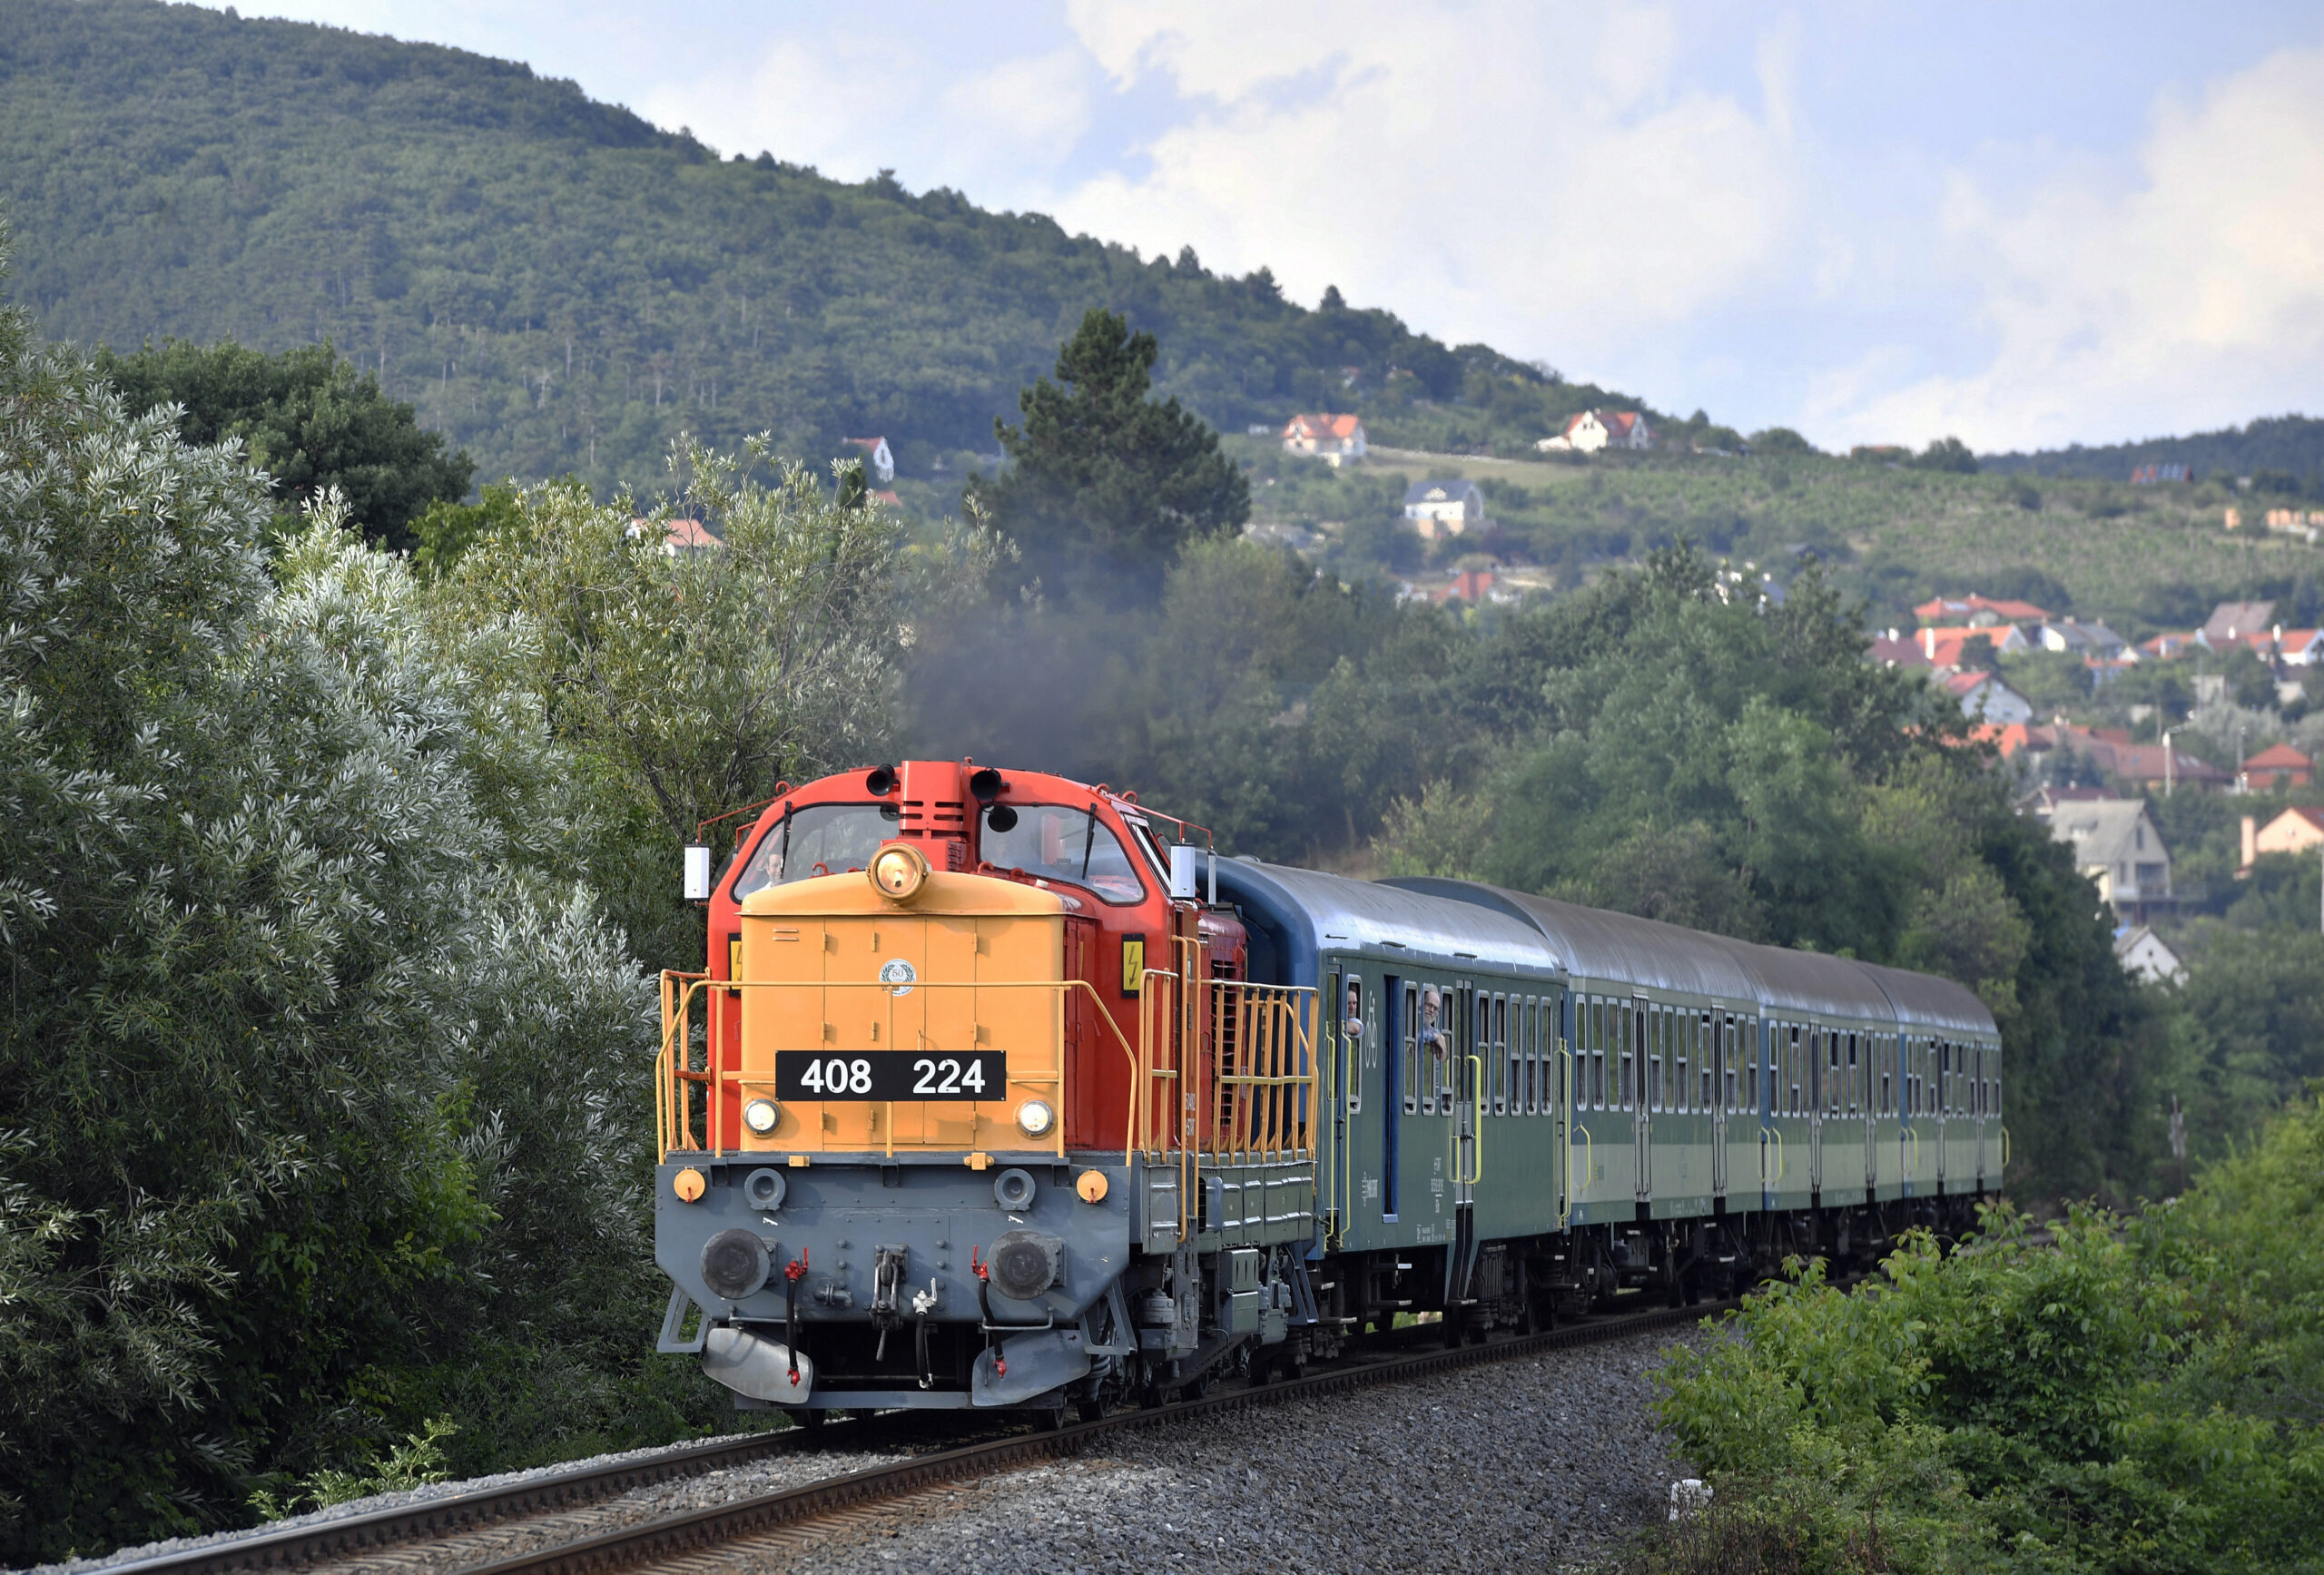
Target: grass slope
2143	558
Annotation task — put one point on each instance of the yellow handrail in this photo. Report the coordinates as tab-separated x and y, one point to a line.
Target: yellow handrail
678	1016
2004	1148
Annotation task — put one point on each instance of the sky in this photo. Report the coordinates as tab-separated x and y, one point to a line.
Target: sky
2022	225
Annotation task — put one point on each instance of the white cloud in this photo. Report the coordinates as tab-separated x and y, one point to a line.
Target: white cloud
1544	179
2191	296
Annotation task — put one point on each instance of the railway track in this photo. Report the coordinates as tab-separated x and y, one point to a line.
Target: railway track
691	1538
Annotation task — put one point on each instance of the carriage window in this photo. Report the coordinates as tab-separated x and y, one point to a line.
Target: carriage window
1355	1056
1061	842
1682	1087
1704	1068
1852	1075
1411	1048
1597	1054
1434	1033
817	840
1458	1042
1498	1060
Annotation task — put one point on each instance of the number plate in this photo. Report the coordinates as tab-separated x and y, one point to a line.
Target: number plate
890	1075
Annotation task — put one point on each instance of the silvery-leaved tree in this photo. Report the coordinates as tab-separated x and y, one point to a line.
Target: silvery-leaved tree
285	897
748	632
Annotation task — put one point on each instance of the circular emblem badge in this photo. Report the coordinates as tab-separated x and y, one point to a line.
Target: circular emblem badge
898	975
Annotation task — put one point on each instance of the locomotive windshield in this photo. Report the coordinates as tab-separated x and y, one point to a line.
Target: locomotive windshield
816	840
1061	843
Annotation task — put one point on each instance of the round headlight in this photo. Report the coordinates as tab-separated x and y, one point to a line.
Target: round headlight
899	871
1034	1117
760	1116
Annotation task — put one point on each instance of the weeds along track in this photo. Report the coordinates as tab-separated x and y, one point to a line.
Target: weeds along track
553	1511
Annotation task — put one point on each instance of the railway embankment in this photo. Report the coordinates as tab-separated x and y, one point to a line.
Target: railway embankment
1527	1454
1532	1465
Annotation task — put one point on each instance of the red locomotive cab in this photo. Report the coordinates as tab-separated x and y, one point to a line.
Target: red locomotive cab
1094	854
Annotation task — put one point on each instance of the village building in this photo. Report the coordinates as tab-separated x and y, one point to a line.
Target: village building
1945	648
2230	622
1336	440
2295	830
1448	508
2115	844
879	460
677	536
1593	430
1982	698
2143	954
2279	765
1978	612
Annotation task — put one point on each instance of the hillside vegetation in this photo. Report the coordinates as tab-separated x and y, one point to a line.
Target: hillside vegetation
2141	557
560	288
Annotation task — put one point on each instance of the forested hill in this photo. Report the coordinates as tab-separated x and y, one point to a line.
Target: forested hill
558	286
2285	446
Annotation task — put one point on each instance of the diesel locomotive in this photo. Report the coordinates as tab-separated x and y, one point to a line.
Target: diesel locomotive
1002	1090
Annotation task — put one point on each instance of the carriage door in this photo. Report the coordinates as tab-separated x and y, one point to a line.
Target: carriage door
1718	1031
1944	1093
1465	1011
1648	1052
1813	1076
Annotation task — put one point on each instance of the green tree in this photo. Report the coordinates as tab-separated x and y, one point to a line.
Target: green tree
308	420
1670	744
1106	485
1780	440
318	1074
449	528
688	683
1949	454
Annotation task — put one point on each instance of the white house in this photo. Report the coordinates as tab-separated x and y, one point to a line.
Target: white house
1985	698
1443	508
2141	952
1334	438
2117	845
1594	429
877	458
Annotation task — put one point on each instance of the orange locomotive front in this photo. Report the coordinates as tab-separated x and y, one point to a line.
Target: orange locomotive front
932	1120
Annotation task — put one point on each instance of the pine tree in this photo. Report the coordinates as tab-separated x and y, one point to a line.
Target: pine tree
1106	484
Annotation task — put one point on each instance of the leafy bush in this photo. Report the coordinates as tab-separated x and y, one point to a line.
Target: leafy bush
2130	1395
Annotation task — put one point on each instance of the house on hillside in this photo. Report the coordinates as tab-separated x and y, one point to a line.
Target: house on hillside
2230	621
1978	612
2279	765
2079	639
677	536
1335	440
879	461
1982	698
2141	951
1944	648
1443	508
2115	844
2295	831
1893	650
1592	430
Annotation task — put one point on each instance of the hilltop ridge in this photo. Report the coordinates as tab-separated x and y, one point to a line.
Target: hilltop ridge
558	286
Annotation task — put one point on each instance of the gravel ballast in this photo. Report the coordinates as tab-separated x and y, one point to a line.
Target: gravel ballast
509	1538
1529	1465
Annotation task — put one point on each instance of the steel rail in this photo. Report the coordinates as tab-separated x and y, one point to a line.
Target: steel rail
295	1547
678	1534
